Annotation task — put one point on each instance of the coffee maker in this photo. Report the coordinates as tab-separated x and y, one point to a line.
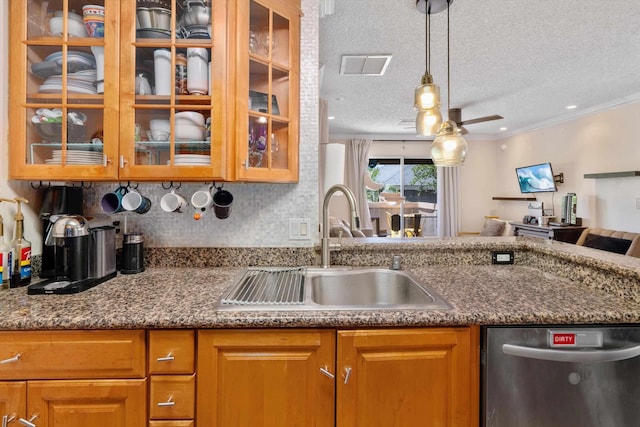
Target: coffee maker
57	200
84	254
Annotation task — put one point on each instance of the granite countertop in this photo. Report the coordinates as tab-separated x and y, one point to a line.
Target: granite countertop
527	292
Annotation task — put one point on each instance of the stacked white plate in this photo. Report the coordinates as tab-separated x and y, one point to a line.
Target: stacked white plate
75	157
192	159
80	82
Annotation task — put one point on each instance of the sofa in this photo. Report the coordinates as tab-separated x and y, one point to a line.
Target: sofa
620	242
340	228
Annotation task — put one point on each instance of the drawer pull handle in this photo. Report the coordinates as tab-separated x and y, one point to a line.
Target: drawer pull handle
169	402
6	419
347	375
168	358
28	422
11	359
327	373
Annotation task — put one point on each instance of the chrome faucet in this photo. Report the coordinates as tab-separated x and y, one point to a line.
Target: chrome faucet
353	224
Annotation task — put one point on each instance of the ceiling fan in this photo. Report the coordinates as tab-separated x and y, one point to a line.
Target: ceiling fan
455	114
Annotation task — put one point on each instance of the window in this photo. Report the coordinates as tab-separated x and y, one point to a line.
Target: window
414	179
408	188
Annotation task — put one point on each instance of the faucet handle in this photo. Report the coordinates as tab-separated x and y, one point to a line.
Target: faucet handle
396	263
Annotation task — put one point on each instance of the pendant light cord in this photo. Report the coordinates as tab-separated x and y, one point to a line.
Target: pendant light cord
427	19
448	65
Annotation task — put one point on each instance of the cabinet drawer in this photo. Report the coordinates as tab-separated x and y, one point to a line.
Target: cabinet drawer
172	397
172	423
171	352
72	354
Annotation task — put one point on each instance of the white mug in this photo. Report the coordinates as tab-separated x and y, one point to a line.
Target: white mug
197	71
172	202
201	201
136	202
162	70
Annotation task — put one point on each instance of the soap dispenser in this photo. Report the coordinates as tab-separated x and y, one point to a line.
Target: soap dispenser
5	255
21	247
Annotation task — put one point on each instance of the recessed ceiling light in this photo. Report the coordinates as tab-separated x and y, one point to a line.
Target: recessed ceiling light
503	128
331	118
571	107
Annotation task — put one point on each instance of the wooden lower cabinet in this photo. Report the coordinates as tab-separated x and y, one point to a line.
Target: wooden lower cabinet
265	378
69	403
407	377
385	377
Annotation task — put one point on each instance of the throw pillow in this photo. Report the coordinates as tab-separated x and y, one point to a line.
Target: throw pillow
493	227
606	243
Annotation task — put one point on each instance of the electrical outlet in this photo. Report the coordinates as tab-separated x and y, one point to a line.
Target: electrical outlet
502	257
299	229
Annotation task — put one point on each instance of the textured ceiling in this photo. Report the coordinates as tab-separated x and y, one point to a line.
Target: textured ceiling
525	60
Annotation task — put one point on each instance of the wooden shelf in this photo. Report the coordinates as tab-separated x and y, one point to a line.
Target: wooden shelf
612	174
526	199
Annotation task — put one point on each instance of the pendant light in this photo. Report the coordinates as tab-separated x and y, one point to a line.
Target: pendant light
449	148
427	95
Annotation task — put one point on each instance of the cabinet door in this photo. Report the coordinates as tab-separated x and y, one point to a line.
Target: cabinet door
63	96
265	378
102	403
407	377
13	399
267	39
173	90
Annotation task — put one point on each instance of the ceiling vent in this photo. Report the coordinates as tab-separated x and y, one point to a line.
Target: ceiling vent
364	65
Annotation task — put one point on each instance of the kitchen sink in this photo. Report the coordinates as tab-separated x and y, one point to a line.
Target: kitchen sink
335	288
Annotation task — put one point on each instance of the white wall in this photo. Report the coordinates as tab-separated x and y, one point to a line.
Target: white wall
8	189
601	142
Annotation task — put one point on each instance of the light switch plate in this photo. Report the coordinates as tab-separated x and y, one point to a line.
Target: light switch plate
299	229
502	257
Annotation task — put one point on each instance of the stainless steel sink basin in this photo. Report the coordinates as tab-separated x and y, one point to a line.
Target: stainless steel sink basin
336	288
371	288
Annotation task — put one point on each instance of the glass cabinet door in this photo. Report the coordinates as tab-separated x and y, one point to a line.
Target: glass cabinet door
63	89
172	99
269	56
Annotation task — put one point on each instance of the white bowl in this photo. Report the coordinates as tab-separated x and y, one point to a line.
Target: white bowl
190	133
75	27
157	135
189	118
162	125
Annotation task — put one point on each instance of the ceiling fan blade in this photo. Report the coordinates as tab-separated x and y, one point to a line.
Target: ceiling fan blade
480	120
463	131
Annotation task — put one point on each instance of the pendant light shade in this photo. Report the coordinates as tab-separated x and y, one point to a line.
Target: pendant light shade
449	148
428	121
427	95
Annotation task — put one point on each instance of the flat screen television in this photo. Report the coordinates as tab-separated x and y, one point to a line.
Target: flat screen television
536	178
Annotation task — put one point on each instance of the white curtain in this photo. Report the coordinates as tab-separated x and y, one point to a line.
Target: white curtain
448	201
356	167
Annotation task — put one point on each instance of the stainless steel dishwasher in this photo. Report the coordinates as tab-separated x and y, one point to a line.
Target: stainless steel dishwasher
561	376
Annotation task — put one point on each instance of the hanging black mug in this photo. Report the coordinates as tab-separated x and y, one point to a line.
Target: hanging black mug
222	201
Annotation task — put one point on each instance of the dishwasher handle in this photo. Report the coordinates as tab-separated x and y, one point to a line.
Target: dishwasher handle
582	356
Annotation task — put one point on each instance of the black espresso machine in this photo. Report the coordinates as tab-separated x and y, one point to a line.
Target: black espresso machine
84	254
56	200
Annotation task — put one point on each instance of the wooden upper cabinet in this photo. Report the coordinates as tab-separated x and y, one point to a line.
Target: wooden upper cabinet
154	98
174	94
63	96
407	377
267	92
